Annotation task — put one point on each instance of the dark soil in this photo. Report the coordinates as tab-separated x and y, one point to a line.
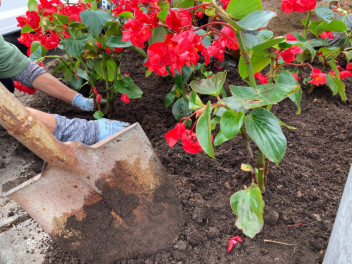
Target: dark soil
303	190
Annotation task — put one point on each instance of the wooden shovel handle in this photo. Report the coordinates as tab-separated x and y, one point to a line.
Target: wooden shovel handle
19	123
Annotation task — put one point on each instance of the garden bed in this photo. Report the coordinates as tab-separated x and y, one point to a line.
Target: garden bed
302	194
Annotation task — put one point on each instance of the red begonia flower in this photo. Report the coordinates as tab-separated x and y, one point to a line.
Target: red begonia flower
349	67
125	99
261	78
33	19
318	78
175	134
19	86
289	6
327	34
94	90
190	142
343	74
295	75
233	241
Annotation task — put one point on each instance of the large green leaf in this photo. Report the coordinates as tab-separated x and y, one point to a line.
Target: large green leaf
238	9
324	13
94	20
264	129
74	45
219	139
127	86
185	3
265	94
335	25
203	130
231	123
286	77
336	85
180	108
248	206
32	5
110	67
259	61
211	86
256	19
116	42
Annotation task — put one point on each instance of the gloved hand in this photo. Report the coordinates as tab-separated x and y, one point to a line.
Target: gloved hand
108	127
83	103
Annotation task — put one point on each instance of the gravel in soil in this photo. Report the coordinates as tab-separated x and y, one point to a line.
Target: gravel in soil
303	190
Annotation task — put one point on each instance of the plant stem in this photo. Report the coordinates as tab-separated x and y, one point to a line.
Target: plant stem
261	171
107	87
250	154
307	25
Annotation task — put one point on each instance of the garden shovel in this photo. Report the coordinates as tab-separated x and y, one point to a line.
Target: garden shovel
102	203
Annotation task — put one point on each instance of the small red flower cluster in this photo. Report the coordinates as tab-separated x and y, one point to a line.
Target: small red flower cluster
189	138
19	86
50	39
301	6
327	34
175	51
289	54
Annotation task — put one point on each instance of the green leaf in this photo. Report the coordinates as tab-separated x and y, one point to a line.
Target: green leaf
185	3
27	29
180	108
259	61
265	35
231	123
324	13
127	86
286	77
126	14
336	86
76	83
206	40
110	65
163	14
203	130
169	99
348	55
318	42
335	25
267	44
158	35
256	19
219	139
248	206
232	103
250	40
116	42
211	86
32	5
94	20
265	94
264	129
195	102
74	45
238	9
98	115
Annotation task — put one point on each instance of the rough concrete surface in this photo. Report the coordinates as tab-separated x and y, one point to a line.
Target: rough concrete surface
22	241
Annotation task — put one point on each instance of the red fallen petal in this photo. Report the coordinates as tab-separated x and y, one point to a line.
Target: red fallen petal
125	99
233	241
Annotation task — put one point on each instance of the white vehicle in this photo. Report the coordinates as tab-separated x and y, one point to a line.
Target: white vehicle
10	9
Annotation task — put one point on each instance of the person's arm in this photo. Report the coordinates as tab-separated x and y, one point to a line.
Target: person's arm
53	87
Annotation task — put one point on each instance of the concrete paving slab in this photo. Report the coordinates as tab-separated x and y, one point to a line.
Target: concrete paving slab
25	243
9	212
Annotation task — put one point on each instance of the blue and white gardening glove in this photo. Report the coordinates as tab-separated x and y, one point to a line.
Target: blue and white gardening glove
108	127
83	103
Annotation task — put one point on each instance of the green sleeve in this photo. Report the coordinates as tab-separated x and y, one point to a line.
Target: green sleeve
12	61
